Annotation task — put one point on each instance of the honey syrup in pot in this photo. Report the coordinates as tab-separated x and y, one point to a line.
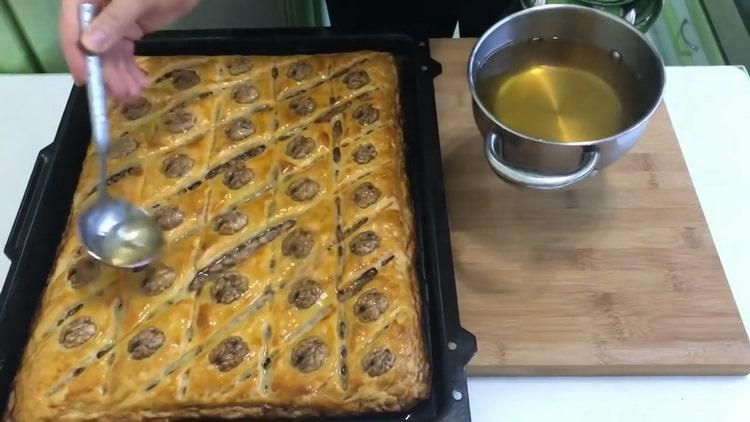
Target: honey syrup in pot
559	90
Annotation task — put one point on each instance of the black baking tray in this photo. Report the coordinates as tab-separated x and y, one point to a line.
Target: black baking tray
45	207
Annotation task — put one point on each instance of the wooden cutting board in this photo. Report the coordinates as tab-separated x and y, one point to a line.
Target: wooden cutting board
617	275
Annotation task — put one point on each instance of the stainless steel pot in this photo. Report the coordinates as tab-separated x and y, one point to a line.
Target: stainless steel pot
538	163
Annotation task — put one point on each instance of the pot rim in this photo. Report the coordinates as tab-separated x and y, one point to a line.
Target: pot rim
616	20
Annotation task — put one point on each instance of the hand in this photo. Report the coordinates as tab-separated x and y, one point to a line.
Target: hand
113	34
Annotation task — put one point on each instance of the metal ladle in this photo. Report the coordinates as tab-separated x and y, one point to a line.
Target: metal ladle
113	231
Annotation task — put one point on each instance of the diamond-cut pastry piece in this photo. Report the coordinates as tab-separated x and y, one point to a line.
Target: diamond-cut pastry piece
241	133
303	298
233	182
221	299
239	68
367	196
301	190
183	122
304	108
377	72
225	230
182	212
148	352
147	290
367	112
308	364
172	171
373	245
299	149
246	94
368	153
300	73
302	246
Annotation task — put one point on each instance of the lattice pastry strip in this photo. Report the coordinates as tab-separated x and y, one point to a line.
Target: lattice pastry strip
68	252
127	146
80	281
182	79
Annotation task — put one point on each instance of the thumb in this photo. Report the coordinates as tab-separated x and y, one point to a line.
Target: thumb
111	24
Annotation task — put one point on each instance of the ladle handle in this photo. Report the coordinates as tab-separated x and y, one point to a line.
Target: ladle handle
96	95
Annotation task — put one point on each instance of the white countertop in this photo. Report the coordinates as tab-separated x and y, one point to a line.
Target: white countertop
710	109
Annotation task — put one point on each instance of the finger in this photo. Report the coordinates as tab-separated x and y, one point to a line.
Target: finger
127	68
113	77
134	88
142	77
69	33
133	33
138	78
111	24
129	85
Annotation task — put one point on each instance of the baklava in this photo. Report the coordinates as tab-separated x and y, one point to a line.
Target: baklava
287	286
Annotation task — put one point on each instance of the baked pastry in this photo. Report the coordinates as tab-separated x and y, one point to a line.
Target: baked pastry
287	285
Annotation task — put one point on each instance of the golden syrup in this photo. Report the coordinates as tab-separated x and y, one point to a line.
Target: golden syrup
560	91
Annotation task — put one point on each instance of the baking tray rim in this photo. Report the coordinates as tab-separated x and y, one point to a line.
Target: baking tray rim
449	345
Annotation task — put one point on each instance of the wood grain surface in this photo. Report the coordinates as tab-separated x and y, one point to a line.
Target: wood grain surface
617	275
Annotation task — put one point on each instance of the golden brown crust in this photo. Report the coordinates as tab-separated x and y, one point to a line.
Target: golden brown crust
287	287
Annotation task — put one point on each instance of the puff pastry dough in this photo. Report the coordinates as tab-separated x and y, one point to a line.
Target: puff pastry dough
287	286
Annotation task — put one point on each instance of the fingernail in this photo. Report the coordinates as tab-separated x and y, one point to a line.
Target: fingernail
95	41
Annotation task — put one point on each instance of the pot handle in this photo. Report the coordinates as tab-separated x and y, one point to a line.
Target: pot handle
532	179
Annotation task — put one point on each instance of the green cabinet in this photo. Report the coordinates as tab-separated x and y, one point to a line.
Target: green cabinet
37	21
683	35
16	56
